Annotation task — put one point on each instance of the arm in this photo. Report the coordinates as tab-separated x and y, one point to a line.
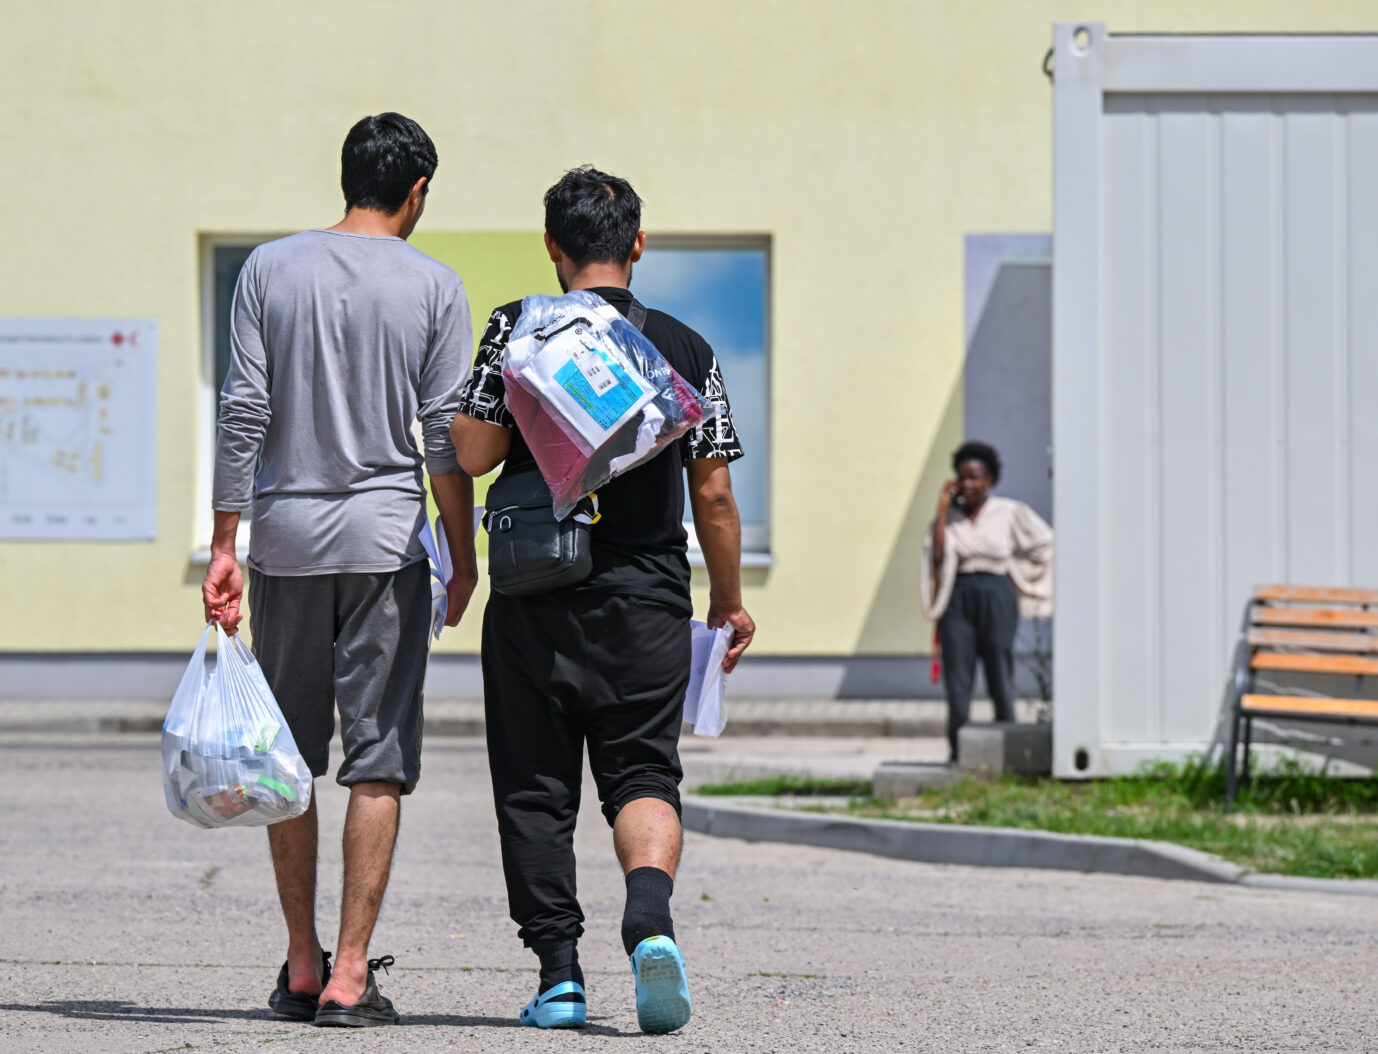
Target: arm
224	582
719	530
244	416
442	378
480	446
454	497
940	531
1033	538
482	430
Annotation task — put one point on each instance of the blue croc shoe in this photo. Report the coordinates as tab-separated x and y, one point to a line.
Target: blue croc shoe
563	1006
662	988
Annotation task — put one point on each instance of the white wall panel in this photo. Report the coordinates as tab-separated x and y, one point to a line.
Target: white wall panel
1187	217
1234	332
1313	514
1130	439
1362	293
1251	392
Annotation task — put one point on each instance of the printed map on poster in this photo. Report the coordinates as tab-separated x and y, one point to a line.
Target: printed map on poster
78	420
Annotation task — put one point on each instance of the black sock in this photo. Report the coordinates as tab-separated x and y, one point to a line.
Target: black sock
559	963
648	907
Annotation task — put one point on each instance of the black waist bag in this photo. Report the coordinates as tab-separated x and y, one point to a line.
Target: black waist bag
529	551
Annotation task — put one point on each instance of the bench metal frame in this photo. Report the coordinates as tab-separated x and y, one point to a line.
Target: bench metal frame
1321	630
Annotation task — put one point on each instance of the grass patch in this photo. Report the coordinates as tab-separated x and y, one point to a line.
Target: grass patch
791	787
1291	820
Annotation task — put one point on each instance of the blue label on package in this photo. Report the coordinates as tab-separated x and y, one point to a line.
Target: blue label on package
601	388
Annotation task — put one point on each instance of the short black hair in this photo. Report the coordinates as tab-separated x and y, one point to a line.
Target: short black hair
982	452
383	157
593	217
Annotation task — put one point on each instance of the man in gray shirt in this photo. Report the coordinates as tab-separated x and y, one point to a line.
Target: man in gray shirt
342	339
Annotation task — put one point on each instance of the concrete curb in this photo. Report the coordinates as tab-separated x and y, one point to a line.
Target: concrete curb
464	717
935	843
441	727
1361	887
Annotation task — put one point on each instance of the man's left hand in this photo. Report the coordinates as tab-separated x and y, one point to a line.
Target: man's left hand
743	630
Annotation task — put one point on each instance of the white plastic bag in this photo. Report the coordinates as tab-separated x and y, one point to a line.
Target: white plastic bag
229	759
703	701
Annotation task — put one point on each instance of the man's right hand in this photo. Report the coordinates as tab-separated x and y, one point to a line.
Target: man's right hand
222	590
743	630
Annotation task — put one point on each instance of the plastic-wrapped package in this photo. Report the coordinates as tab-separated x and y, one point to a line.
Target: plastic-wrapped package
592	396
229	759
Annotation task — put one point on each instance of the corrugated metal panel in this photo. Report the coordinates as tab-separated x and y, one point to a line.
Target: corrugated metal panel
1237	353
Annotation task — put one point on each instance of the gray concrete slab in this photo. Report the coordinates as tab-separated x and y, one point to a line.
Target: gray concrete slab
125	931
991	750
903	779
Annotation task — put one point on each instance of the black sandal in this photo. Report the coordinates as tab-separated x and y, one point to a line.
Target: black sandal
371	1009
298	1006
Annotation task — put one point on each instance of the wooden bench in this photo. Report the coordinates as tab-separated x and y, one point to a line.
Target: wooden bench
1296	629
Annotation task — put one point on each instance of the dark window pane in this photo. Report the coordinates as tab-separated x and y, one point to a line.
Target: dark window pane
229	261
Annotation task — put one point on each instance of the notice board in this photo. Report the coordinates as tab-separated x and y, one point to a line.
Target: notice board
78	429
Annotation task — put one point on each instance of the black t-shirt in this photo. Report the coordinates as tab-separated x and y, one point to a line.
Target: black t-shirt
639	545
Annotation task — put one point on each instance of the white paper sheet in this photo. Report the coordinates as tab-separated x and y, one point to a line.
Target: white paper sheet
703	702
438	549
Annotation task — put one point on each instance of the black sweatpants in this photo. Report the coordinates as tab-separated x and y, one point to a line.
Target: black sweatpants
980	621
561	670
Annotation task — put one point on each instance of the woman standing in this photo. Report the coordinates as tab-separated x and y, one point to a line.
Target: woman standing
985	558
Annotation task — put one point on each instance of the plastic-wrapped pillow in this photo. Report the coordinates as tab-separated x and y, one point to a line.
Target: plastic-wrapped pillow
592	396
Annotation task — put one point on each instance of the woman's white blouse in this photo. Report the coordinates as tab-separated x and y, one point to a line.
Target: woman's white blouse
1006	538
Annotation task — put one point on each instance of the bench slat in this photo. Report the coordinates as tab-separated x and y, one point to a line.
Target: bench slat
1317	595
1264	616
1301	663
1317	640
1304	706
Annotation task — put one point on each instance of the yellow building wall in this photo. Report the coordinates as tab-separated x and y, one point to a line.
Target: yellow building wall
866	139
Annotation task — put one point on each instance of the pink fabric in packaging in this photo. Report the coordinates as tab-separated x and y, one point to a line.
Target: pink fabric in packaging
570	465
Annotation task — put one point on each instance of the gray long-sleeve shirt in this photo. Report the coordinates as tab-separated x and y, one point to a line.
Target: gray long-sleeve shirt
339	342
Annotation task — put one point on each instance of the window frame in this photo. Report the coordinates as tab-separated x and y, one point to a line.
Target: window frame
206	395
756	538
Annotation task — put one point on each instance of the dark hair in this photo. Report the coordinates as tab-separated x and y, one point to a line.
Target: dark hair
593	217
982	452
383	157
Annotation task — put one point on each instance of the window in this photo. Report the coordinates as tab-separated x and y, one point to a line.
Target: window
721	287
227	262
718	286
222	258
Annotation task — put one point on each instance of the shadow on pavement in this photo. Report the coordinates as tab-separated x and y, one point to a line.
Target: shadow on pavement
120	1010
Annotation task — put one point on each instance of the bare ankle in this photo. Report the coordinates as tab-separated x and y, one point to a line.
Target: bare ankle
304	950
305	968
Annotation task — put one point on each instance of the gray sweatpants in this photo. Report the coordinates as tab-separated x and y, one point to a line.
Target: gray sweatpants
356	641
980	622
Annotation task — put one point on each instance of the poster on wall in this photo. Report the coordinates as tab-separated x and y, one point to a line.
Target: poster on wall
78	429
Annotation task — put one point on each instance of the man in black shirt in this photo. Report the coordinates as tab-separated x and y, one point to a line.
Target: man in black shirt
605	661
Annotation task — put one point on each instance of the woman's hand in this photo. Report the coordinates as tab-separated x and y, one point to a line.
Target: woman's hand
950	490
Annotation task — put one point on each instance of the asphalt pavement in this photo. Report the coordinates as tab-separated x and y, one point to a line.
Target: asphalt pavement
124	930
